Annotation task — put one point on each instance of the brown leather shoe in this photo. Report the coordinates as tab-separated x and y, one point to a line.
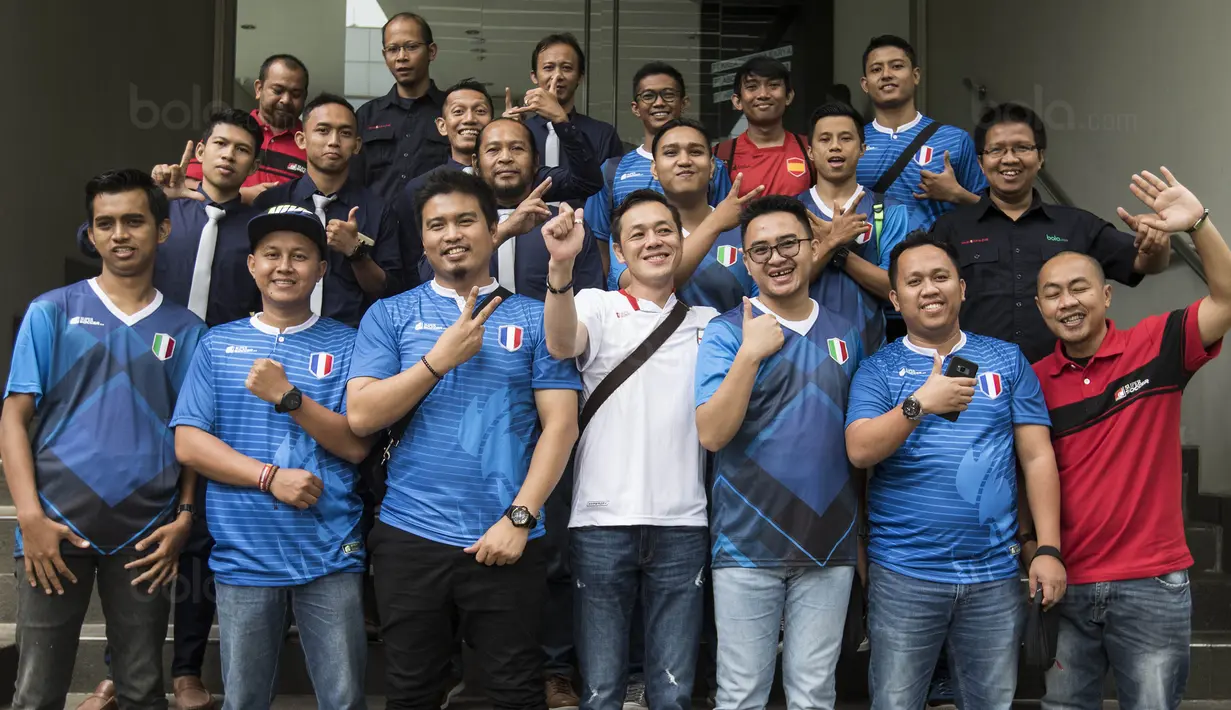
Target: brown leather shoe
103	698
560	693
190	694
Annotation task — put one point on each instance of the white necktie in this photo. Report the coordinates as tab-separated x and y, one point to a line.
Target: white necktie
551	157
203	268
505	257
321	202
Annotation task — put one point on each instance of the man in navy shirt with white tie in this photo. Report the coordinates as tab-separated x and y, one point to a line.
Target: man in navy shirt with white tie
364	259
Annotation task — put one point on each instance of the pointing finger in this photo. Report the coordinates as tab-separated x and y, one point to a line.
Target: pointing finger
739	179
187	155
508	98
537	193
752	194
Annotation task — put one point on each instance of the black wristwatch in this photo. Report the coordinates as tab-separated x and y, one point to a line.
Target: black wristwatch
291	401
521	517
912	409
361	250
186	508
839	257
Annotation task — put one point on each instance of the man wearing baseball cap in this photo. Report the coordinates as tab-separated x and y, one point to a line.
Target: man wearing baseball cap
262	411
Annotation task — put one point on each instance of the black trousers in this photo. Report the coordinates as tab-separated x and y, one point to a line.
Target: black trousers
420	584
194	609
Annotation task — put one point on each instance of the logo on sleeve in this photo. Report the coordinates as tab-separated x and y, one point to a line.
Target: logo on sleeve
320	365
510	337
991	384
924	156
164	346
727	255
838	350
796	167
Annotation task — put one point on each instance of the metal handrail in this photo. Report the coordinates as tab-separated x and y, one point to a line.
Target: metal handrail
1180	243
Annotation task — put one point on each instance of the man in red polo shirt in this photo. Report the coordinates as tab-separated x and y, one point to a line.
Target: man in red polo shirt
1114	399
767	154
281	87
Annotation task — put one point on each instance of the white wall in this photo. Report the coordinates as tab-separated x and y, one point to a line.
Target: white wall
1121	89
312	30
854	23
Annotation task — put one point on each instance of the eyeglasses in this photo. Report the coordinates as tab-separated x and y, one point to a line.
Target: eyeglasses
1018	150
649	96
393	50
761	253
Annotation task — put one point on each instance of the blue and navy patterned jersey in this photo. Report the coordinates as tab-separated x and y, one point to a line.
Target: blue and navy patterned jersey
835	290
943	507
782	494
467	450
885	145
631	174
260	541
105	385
720	281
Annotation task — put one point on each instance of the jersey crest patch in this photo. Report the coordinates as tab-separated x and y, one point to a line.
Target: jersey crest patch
320	365
991	384
164	346
510	337
838	350
727	255
796	167
924	156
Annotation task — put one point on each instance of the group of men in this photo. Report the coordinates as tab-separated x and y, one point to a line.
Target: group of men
551	335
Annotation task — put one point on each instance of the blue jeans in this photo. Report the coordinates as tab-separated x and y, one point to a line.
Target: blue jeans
748	611
665	568
329	614
909	620
1140	628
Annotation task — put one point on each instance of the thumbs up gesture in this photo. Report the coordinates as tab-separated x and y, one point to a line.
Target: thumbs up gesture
343	236
941	394
762	335
942	186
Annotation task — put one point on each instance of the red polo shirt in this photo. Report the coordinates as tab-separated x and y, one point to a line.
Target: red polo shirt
783	169
281	160
1116	432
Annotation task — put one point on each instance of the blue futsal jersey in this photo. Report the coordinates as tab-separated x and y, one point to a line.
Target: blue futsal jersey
467	450
720	281
105	385
258	540
884	145
943	507
782	494
873	247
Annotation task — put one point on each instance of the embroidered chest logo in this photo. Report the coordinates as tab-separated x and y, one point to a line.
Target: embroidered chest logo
240	350
1130	388
991	384
510	337
796	167
924	156
164	346
1054	238
83	320
320	365
727	256
838	350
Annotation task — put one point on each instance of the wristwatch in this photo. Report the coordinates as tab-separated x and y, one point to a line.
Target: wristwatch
362	249
839	257
186	508
521	517
912	409
291	401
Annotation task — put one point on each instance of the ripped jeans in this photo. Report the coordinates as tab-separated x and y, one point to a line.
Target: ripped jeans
611	567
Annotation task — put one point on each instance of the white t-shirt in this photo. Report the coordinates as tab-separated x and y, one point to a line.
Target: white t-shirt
639	462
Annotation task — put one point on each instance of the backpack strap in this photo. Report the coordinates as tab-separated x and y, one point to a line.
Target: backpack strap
891	175
803	148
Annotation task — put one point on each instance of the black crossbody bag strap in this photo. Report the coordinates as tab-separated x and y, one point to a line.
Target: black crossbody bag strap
891	175
631	364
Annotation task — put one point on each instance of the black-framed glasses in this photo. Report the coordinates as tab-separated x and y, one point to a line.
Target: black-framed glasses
393	50
1018	150
761	253
649	96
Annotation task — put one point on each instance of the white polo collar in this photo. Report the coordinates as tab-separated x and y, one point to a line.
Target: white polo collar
931	352
903	127
270	330
461	300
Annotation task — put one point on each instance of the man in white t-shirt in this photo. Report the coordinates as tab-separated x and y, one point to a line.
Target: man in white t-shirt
639	526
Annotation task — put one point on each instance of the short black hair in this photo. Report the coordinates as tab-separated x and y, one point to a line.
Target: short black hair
117	181
654	68
640	197
830	109
448	182
470	84
1009	113
534	147
240	119
771	204
424	27
288	59
881	41
920	238
326	99
765	68
552	40
680	122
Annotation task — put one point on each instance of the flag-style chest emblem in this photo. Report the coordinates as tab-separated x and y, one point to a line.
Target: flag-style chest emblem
838	350
164	346
865	237
991	384
796	167
510	337
924	156
727	255
320	365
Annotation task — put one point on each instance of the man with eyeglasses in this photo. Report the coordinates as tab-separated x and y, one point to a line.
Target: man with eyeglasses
659	97
772	383
1004	239
398	130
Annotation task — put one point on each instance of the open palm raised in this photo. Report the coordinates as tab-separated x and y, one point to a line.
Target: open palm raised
1175	207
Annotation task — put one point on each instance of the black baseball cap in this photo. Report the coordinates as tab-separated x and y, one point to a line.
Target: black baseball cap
287	218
